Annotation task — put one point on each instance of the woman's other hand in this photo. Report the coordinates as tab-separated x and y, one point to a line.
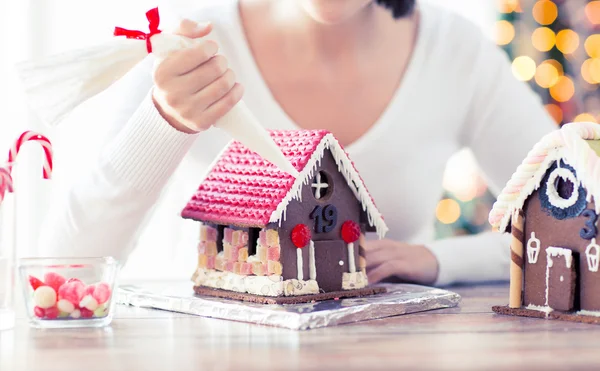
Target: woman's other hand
194	87
407	263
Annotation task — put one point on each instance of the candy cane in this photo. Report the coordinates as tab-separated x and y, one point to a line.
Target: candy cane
29	136
6	182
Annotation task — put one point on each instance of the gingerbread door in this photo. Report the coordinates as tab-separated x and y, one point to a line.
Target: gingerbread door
561	278
331	261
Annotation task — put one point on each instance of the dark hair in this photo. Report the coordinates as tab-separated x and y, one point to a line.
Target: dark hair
399	8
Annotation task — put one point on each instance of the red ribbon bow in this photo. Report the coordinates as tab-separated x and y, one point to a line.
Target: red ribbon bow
153	19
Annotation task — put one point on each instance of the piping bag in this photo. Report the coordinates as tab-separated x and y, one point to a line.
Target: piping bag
57	85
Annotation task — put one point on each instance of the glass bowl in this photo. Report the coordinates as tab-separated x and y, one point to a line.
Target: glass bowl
69	292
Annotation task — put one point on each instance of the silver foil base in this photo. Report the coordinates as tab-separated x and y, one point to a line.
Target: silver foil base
180	297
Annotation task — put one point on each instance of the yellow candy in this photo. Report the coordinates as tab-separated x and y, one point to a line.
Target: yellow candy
243	255
202	259
274	267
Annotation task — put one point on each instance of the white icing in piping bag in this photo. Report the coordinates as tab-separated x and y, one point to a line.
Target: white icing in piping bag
60	83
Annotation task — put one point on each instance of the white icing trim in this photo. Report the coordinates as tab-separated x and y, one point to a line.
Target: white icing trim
552	192
273	285
346	168
318	186
533	252
568	143
312	267
592	258
299	264
539	308
589	313
351	261
356	280
555	252
559	251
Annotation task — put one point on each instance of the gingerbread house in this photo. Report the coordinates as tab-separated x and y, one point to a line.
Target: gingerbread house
264	233
551	207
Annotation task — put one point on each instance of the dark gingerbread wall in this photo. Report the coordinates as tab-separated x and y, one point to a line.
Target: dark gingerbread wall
348	208
558	233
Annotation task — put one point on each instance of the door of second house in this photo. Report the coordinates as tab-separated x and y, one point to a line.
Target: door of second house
561	278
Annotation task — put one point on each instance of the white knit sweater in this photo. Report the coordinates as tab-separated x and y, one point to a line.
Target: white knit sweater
458	91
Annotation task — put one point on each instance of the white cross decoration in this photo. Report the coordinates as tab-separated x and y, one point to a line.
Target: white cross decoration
318	186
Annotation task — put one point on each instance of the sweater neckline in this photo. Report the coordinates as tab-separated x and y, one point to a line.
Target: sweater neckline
388	117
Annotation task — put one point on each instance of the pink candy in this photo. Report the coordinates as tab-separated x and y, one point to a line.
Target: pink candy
262	238
102	293
246	269
228	235
54	280
210	262
273	253
72	291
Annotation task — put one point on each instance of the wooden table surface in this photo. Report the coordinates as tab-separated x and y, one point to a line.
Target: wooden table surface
468	337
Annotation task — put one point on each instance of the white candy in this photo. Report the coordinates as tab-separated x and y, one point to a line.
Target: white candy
65	306
44	297
76	313
89	302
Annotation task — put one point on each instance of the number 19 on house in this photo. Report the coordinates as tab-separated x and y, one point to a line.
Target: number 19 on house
325	218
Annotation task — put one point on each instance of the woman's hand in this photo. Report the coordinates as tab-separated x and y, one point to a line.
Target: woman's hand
408	263
194	87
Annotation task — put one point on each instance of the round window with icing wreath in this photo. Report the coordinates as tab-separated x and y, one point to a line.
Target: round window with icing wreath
560	193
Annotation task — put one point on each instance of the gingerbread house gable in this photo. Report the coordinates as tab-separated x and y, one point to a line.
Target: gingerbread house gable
576	147
243	189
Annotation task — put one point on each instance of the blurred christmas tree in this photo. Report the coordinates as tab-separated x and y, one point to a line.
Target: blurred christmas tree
554	45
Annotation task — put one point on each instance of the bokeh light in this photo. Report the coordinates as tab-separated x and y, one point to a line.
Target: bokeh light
563	90
509	6
546	75
585	117
559	67
523	68
505	32
555	111
590	70
543	39
567	41
592	46
447	211
592	12
545	12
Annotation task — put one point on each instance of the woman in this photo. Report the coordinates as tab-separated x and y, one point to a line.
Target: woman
401	85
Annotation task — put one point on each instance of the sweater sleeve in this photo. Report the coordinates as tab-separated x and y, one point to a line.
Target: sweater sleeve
99	212
505	118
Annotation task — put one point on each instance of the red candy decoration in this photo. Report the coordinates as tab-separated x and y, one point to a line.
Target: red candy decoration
73	279
54	280
350	231
86	313
35	282
300	235
39	312
52	312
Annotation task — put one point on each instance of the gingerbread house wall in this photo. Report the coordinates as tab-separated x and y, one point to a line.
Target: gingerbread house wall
299	211
558	233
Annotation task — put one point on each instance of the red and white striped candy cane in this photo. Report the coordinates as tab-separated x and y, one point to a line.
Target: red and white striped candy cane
6	182
29	136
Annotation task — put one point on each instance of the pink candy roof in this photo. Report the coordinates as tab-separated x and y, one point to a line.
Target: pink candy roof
244	189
